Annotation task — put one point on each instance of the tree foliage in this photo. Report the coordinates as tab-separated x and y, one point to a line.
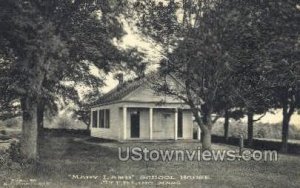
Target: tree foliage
236	55
49	46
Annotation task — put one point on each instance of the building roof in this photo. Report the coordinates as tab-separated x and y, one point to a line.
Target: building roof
121	90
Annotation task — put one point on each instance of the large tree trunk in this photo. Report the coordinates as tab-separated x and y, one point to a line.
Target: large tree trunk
206	141
29	129
226	126
40	122
250	128
285	134
285	127
205	126
40	119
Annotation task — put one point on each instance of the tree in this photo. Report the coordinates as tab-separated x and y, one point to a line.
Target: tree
247	36
262	41
212	57
8	106
282	70
242	42
198	63
189	47
54	41
268	36
231	114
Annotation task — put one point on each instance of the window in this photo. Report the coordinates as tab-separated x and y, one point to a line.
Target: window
101	118
180	125
94	119
104	117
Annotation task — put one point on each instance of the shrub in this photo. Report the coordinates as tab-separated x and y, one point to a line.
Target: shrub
64	121
11	158
261	133
13	122
15	152
3	132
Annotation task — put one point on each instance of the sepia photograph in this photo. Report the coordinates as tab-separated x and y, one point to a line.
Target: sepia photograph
149	93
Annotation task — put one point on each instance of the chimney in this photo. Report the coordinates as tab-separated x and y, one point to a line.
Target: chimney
120	78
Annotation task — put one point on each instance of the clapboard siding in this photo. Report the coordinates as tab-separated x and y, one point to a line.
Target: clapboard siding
187	120
113	131
163	124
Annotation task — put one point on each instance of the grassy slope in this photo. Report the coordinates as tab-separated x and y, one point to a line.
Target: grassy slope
62	156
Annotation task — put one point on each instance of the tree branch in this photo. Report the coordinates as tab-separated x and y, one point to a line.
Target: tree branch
260	117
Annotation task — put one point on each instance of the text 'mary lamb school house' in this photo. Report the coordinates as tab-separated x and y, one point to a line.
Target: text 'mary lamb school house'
134	111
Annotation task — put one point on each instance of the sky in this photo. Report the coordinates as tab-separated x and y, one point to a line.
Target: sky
153	52
277	118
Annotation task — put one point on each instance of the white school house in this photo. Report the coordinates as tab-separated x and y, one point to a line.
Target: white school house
134	111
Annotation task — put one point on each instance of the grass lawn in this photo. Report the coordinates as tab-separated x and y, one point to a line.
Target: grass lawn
63	157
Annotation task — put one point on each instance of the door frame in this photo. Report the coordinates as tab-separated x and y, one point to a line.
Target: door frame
180	123
135	127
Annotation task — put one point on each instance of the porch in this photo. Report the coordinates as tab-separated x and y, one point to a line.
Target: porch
155	123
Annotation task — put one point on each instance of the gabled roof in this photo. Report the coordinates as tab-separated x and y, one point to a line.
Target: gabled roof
124	89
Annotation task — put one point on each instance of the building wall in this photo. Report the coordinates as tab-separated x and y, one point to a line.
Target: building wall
113	131
187	118
163	124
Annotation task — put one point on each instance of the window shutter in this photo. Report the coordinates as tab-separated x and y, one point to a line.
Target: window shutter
94	119
107	118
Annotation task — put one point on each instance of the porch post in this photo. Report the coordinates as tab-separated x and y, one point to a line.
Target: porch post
199	133
151	123
124	122
176	124
98	120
